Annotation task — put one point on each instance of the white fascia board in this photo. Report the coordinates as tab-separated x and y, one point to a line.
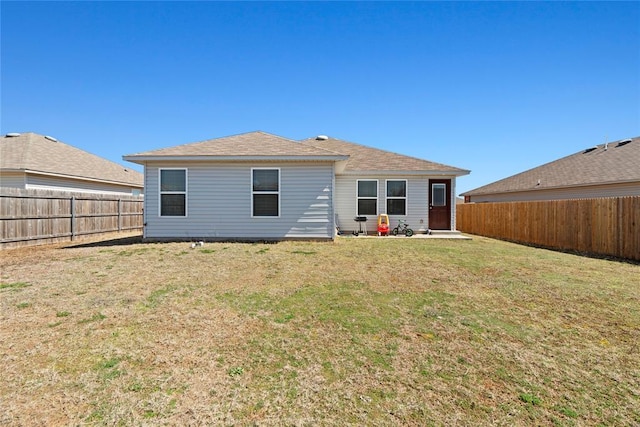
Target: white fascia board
432	173
143	159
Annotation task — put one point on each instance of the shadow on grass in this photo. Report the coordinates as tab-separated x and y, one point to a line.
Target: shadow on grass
575	252
122	241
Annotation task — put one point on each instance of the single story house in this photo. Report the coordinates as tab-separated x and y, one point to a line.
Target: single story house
259	186
33	161
605	170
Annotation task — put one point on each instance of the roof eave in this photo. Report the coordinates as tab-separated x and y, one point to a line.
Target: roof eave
12	170
142	159
557	187
431	172
82	178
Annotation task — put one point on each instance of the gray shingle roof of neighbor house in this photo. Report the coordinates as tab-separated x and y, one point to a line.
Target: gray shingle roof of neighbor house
31	152
369	159
252	145
613	162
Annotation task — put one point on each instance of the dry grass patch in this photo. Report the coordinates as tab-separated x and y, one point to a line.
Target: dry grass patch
355	332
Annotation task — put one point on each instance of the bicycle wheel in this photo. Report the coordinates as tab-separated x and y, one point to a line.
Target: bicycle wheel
408	232
395	231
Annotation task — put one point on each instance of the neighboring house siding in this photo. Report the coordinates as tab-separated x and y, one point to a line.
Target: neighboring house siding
578	192
61	184
219	203
417	201
12	180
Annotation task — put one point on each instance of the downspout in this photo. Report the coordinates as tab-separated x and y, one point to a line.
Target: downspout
453	204
144	204
332	211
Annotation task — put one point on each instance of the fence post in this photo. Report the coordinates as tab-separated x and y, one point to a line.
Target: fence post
73	217
119	215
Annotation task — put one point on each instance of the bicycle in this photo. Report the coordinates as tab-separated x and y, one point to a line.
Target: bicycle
402	228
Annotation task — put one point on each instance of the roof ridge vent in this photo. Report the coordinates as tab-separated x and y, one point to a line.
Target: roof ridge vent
322	138
50	138
624	142
12	134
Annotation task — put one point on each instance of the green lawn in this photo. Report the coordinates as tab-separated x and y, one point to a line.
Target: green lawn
355	332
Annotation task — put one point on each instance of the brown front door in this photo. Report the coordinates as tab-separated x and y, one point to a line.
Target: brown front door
440	204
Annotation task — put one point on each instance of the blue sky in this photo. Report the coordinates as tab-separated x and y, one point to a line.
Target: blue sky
496	88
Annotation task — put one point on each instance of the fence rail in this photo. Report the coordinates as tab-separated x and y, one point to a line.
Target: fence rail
603	226
31	217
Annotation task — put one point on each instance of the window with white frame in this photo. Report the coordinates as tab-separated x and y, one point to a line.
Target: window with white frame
367	197
173	192
439	194
397	197
265	192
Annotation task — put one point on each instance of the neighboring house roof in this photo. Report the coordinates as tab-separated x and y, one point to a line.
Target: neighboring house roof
611	163
247	146
369	159
33	153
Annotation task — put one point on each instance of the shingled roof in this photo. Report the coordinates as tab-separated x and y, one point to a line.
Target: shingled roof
259	145
613	162
31	152
255	145
369	159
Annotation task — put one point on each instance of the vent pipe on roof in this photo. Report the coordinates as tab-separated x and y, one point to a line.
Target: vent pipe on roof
322	138
12	135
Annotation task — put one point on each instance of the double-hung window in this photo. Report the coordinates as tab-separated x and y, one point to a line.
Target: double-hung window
173	192
397	197
265	192
367	197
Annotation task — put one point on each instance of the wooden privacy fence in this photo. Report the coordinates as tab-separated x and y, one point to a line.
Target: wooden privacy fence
605	226
31	217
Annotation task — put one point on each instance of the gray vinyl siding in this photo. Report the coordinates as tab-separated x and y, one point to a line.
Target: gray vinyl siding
578	192
417	201
12	180
219	203
81	186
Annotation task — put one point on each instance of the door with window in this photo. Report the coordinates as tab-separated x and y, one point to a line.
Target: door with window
439	204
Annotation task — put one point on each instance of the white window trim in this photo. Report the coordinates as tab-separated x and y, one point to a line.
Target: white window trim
406	195
185	192
377	181
265	192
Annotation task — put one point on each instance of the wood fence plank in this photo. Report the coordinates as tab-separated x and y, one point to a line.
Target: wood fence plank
30	217
605	226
